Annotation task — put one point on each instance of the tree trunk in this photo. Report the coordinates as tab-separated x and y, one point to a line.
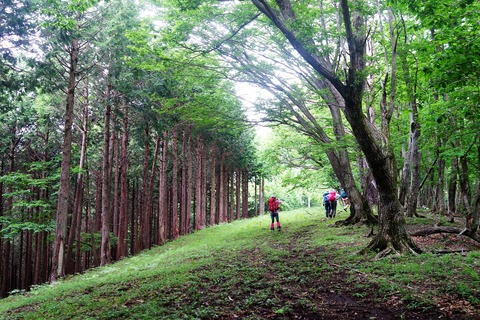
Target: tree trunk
474	226
221	192
175	184
414	153
116	164
231	196
189	183
238	192
58	267
213	188
471	205
225	191
261	199
123	211
244	194
439	198
27	269
183	192
143	235
133	220
255	195
74	235
452	190
198	185
203	187
97	222
111	155
3	244
392	234
162	194
105	246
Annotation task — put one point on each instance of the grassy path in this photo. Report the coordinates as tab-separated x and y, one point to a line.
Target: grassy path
243	270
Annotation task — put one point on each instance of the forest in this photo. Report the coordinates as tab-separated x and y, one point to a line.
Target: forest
122	127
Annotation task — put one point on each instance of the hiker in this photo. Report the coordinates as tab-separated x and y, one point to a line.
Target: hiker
326	203
346	201
332	199
273	206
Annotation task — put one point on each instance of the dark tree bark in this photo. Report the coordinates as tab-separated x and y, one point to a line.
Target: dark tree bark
237	193
106	184
27	269
198	185
452	190
225	190
474	227
213	188
143	235
221	192
3	244
133	220
75	227
58	267
111	155
149	196
439	204
97	222
175	184
189	183
203	187
116	166
244	194
162	194
471	202
183	192
231	197
123	210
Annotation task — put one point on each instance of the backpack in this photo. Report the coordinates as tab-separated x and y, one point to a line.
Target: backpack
331	197
272	204
343	194
325	197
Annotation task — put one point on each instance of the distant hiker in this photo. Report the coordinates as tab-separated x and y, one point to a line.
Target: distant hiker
273	206
346	201
332	199
326	203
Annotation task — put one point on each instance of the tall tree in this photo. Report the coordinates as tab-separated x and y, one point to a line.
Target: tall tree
392	235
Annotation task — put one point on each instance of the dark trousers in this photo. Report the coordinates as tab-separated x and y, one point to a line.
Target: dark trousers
333	209
327	208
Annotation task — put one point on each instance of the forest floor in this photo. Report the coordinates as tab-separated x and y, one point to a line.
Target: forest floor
337	298
242	270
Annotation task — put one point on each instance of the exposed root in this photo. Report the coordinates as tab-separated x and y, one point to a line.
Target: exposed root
434	230
387	252
462	251
372	233
386	247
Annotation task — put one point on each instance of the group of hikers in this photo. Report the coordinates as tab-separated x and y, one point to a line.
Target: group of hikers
330	198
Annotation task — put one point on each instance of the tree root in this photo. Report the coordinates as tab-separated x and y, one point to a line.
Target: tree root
462	251
434	230
386	247
387	252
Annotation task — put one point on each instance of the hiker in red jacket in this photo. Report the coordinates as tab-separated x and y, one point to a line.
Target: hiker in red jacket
332	198
273	206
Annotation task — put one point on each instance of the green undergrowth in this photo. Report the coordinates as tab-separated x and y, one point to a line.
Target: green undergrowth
244	270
